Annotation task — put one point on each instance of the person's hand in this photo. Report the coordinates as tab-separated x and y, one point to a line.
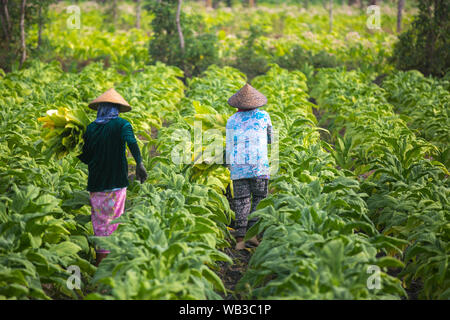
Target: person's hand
141	173
224	162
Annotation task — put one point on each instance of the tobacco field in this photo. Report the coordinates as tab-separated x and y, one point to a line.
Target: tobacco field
362	181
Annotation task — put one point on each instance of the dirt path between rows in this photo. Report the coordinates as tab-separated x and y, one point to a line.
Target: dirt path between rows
232	273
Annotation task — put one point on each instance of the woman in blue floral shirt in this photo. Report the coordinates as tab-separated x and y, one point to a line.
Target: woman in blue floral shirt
248	132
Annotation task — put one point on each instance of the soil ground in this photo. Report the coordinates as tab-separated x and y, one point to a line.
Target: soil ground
232	273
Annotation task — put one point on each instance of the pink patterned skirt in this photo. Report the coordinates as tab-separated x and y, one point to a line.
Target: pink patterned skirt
106	206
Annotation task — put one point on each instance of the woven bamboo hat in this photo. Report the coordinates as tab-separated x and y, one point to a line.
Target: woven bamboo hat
247	98
111	96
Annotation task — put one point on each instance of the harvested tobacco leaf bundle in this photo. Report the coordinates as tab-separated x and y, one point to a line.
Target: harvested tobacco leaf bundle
63	131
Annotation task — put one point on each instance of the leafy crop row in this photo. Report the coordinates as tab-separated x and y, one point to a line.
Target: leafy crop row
318	242
168	246
407	192
45	214
424	104
41	234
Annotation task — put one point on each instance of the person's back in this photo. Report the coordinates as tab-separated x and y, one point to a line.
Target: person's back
105	154
104	151
248	134
247	139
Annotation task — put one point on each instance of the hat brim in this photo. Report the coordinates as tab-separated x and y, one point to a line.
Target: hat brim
247	105
111	96
247	98
122	108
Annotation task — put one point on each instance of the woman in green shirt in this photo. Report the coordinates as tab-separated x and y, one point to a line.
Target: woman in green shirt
104	152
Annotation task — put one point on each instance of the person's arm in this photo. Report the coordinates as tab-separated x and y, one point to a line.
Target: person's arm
84	156
269	132
128	136
228	148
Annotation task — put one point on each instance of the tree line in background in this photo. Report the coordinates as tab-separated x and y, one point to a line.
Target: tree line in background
16	17
424	46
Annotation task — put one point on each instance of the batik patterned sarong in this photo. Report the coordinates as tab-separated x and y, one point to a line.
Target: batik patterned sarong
247	195
106	206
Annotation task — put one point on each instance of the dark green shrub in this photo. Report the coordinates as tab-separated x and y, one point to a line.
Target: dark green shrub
294	59
298	57
248	58
426	45
323	59
200	46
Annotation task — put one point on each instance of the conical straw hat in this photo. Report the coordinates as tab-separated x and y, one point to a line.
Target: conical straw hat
247	98
111	96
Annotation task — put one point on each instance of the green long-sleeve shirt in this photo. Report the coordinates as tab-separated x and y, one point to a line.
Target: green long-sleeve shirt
104	152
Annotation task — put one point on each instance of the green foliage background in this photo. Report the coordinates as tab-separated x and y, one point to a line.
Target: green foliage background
363	171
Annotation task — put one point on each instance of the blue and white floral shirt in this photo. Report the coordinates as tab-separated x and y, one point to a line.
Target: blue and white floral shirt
247	136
